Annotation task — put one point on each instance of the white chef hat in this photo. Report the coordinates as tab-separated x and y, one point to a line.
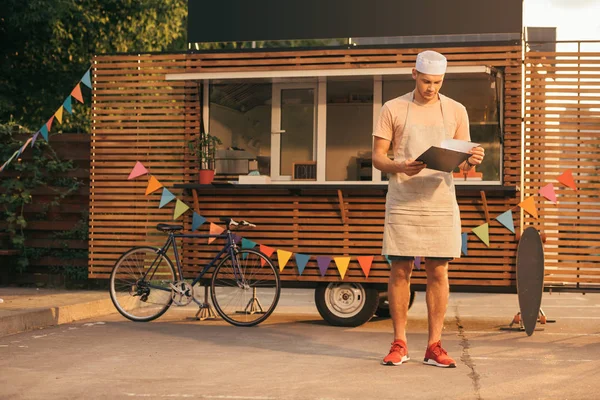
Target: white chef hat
431	63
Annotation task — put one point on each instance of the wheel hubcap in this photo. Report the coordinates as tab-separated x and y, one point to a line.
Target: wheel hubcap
345	299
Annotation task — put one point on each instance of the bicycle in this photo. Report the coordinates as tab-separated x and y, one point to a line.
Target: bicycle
144	283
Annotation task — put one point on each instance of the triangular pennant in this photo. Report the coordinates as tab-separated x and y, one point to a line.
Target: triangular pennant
197	220
247	244
67	105
15	154
301	261
529	205
483	233
465	243
283	256
418	262
86	79
237	238
180	208
59	114
323	262
44	132
548	192
138	170
49	123
506	219
214	230
25	145
267	251
153	185
166	198
388	260
566	178
342	265
77	93
365	263
35	138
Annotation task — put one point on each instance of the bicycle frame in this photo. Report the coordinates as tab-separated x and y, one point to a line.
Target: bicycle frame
229	247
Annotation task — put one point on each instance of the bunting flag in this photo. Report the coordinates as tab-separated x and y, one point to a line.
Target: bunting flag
44	132
180	208
529	205
267	251
86	79
465	242
25	145
214	230
153	185
301	261
388	260
237	238
166	198
483	233
418	262
76	93
49	123
59	114
342	265
35	138
566	178
197	220
138	170
247	244
323	262
548	192
15	154
365	263
283	256
67	105
506	219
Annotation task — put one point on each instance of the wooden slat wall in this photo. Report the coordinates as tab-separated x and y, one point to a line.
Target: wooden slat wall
562	128
310	224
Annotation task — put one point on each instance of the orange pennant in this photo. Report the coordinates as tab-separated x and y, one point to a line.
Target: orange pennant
49	123
268	251
153	185
365	264
59	114
214	230
567	179
528	205
77	93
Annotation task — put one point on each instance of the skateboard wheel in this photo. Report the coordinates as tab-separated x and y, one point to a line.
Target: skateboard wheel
542	319
518	236
517	319
543	236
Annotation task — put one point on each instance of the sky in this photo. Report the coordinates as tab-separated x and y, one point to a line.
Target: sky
574	19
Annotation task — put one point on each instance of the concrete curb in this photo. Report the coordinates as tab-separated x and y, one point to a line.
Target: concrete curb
45	317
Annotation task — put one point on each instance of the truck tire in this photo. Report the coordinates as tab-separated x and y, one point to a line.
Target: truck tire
346	304
383	309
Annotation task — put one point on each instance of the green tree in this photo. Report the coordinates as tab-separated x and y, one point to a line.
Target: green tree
47	45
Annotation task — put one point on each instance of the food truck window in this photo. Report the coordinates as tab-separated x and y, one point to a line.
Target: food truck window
480	94
240	115
349	124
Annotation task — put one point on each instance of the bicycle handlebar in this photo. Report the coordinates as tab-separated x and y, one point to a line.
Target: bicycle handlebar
242	223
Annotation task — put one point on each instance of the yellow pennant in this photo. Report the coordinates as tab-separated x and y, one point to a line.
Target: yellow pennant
153	185
180	208
342	264
283	257
58	114
483	233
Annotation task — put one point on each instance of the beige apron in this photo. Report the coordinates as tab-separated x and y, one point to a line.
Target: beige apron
422	216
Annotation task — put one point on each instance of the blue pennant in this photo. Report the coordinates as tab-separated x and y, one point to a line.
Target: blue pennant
301	261
67	105
86	79
166	198
506	219
197	220
247	244
44	132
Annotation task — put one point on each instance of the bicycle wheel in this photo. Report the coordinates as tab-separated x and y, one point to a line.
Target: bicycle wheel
245	294
140	284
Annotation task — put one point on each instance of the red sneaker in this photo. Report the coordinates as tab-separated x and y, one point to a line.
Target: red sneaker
438	357
398	354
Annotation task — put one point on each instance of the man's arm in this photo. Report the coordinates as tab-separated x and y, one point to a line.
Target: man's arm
382	162
462	133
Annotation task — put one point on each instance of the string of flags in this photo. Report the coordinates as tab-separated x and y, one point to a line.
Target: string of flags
342	263
44	130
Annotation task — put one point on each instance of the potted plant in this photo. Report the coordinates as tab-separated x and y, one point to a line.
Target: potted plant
204	147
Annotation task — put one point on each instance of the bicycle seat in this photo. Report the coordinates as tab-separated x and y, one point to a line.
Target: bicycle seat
169	228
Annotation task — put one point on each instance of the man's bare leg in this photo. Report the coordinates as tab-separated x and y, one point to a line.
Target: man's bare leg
399	296
437	297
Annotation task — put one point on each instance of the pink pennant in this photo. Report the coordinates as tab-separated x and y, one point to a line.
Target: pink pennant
138	170
567	179
548	192
49	123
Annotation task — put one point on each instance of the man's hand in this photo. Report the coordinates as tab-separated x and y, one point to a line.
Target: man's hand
477	156
411	167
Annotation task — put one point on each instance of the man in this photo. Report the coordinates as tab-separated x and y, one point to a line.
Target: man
422	216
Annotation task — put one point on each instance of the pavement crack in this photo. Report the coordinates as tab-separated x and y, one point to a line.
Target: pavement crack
466	356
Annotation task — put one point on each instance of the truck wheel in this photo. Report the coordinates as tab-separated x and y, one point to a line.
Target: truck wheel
346	304
383	309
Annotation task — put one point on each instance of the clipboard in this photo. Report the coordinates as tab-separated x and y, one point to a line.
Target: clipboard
440	159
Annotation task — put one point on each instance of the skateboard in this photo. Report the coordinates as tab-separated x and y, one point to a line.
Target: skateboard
530	278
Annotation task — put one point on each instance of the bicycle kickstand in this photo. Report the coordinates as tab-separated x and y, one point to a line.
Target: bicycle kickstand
206	311
254	306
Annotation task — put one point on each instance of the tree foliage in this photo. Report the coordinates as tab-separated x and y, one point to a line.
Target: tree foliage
47	45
